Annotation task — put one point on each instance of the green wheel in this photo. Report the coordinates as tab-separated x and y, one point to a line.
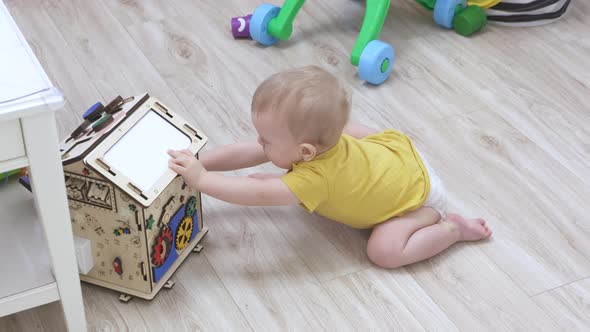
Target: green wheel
469	21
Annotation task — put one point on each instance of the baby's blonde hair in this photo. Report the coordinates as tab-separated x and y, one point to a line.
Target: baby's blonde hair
315	104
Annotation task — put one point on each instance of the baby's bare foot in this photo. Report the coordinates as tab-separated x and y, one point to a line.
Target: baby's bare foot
470	229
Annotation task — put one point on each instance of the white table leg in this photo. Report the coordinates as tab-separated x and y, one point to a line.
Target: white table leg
47	180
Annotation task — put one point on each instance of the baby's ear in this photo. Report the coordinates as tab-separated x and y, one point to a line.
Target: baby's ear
307	151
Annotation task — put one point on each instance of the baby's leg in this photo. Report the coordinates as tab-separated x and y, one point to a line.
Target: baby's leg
417	236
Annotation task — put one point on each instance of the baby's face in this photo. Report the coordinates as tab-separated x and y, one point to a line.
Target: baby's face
276	140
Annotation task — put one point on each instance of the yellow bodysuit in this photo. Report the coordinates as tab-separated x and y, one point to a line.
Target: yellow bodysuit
362	182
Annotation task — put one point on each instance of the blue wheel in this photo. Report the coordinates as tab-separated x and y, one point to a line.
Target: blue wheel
444	11
259	24
376	62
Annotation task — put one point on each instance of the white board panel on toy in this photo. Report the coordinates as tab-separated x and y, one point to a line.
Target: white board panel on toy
134	155
141	152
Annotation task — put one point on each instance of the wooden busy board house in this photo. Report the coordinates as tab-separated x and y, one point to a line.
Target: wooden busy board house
134	219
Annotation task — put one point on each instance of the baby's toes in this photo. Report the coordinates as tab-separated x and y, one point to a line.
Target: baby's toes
481	232
481	221
487	233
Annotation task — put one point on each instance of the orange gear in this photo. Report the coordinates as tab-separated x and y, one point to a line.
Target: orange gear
162	247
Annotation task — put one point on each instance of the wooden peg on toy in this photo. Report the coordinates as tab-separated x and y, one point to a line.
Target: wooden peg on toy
92	114
114	105
240	26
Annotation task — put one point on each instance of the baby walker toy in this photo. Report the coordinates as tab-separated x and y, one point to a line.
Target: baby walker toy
374	58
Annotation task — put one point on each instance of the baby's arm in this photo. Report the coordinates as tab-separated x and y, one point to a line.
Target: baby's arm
234	156
358	130
246	190
232	189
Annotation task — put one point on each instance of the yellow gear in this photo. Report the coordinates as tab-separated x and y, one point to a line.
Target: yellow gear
184	232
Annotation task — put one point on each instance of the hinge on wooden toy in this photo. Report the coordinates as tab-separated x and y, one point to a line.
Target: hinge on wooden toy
105	166
192	130
143	271
162	109
137	190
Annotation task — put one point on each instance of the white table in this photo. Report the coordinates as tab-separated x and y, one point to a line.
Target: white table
37	247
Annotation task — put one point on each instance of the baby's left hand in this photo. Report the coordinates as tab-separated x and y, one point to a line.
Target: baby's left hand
188	166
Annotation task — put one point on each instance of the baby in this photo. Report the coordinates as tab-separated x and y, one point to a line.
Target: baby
349	173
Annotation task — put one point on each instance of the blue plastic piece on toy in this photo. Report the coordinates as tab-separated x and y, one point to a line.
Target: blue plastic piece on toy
372	61
259	24
195	225
91	110
444	11
173	224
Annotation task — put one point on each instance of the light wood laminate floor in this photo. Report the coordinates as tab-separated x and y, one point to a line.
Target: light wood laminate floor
503	117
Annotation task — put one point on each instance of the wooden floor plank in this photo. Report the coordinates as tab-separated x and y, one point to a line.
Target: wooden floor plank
476	295
568	305
382	300
494	171
266	278
537	81
137	12
329	249
109	55
193	304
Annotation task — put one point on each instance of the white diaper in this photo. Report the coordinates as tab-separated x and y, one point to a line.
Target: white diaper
437	198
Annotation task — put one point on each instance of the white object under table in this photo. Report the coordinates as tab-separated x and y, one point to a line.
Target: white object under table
37	246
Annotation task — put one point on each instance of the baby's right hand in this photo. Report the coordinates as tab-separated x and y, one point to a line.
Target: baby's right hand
188	166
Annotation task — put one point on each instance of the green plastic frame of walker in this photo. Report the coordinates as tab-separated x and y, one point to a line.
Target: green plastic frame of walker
281	26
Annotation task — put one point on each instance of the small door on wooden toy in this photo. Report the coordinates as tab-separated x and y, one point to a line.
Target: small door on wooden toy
134	155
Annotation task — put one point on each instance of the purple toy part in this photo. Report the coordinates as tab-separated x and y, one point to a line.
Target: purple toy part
240	26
